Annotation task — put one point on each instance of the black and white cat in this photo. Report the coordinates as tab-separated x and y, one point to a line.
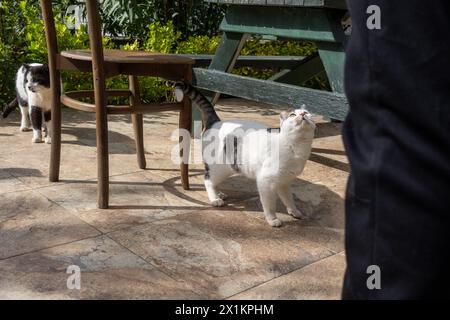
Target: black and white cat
33	95
274	159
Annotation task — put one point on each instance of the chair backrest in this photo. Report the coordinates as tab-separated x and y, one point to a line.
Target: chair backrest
95	42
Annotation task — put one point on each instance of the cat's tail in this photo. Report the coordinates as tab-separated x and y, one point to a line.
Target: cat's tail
209	115
9	108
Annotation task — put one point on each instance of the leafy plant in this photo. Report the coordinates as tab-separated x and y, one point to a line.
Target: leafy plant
161	37
168	30
257	47
199	45
131	18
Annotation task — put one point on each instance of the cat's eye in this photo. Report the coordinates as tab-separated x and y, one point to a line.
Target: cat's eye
292	115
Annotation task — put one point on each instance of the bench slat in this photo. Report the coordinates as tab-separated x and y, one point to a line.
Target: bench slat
284	62
336	4
307	23
333	105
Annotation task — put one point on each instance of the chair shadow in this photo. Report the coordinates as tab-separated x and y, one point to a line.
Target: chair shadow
339	165
328	129
87	137
329	151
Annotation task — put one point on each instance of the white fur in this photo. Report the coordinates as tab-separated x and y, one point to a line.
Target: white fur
42	98
273	170
179	94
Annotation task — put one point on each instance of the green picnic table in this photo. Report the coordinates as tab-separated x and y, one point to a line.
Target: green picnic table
318	21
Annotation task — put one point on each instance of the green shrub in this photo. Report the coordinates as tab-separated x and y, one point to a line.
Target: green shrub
12	47
131	18
161	37
22	40
199	45
256	47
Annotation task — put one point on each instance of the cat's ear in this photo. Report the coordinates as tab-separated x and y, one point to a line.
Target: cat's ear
283	116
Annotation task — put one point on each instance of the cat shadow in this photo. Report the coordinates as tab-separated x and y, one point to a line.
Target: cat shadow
20	172
321	204
12	121
324	206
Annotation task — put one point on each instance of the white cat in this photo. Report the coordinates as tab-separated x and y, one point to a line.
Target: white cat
273	159
33	95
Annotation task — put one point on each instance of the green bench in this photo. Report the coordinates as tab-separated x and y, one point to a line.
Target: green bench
318	21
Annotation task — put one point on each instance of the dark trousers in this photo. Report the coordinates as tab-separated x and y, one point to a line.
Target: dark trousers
397	137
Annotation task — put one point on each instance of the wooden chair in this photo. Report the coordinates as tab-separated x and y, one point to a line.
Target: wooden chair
103	64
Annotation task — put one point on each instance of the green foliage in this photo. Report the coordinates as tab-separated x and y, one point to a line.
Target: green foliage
199	45
130	18
11	48
260	47
161	37
22	40
126	17
256	47
34	29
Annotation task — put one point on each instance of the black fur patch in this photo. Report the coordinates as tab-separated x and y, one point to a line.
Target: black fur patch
36	117
207	176
234	162
235	165
47	116
40	75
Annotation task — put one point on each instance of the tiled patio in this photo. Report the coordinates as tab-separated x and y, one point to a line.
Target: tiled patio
158	241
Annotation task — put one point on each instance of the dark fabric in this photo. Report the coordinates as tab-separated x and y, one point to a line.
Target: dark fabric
397	137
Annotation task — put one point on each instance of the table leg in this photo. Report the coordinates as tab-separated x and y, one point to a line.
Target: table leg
333	59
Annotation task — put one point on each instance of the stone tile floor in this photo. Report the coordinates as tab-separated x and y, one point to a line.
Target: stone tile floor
158	241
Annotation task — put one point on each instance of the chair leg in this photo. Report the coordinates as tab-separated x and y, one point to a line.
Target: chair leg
137	119
101	117
185	123
138	126
102	161
101	121
55	130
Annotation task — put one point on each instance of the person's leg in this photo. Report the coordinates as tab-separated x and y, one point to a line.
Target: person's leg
397	137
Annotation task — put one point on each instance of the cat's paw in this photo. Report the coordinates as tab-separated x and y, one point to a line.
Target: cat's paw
274	222
222	196
48	140
296	213
25	129
36	140
218	203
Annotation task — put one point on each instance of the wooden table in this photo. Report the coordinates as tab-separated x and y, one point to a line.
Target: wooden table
318	21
